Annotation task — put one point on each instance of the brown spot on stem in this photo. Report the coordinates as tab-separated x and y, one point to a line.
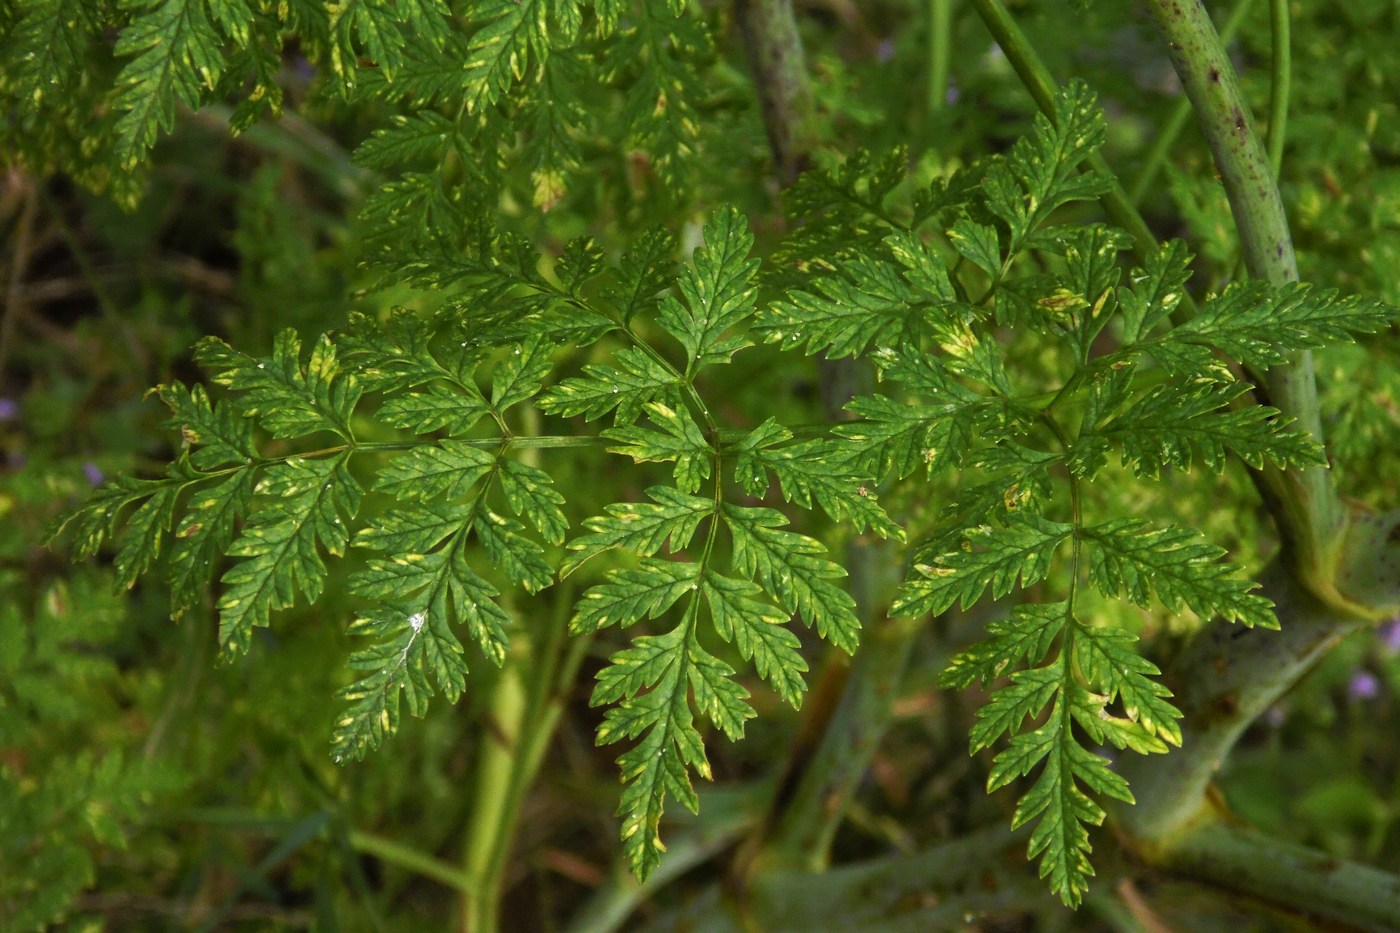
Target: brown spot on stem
1214	75
1224	705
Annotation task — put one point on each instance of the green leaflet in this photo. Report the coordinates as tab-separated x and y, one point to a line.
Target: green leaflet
282	546
756	628
1130	557
657	60
812	473
56	36
719	294
1022	549
679	440
415	600
288	399
1178	424
1079	695
204	536
422	138
637	380
649	680
867	301
379	29
216	435
1041	173
450	468
658	685
647	268
790	566
1118	377
1156	290
174	56
642	528
1260	325
511	36
531	495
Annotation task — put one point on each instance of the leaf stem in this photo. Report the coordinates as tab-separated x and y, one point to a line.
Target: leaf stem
938	35
1316	885
418	862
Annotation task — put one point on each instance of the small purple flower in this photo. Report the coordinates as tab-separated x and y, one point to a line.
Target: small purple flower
1389	634
885	50
1363	686
1274	716
9	409
952	95
93	473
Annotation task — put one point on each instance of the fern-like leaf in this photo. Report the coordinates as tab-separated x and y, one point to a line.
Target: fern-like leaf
281	546
1132	558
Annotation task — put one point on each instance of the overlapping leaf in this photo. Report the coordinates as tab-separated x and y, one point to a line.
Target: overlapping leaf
996	557
643	528
719	293
679	440
866	301
1178	424
794	569
174	57
289	400
1132	558
1260	325
812	473
637	379
281	546
1041	173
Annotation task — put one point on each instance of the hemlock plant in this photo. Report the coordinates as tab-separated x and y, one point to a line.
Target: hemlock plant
1012	367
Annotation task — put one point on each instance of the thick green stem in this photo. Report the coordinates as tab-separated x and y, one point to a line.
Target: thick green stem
491	826
1313	887
1309	514
780	77
1171	130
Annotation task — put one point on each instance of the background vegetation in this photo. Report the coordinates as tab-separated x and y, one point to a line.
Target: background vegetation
146	785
